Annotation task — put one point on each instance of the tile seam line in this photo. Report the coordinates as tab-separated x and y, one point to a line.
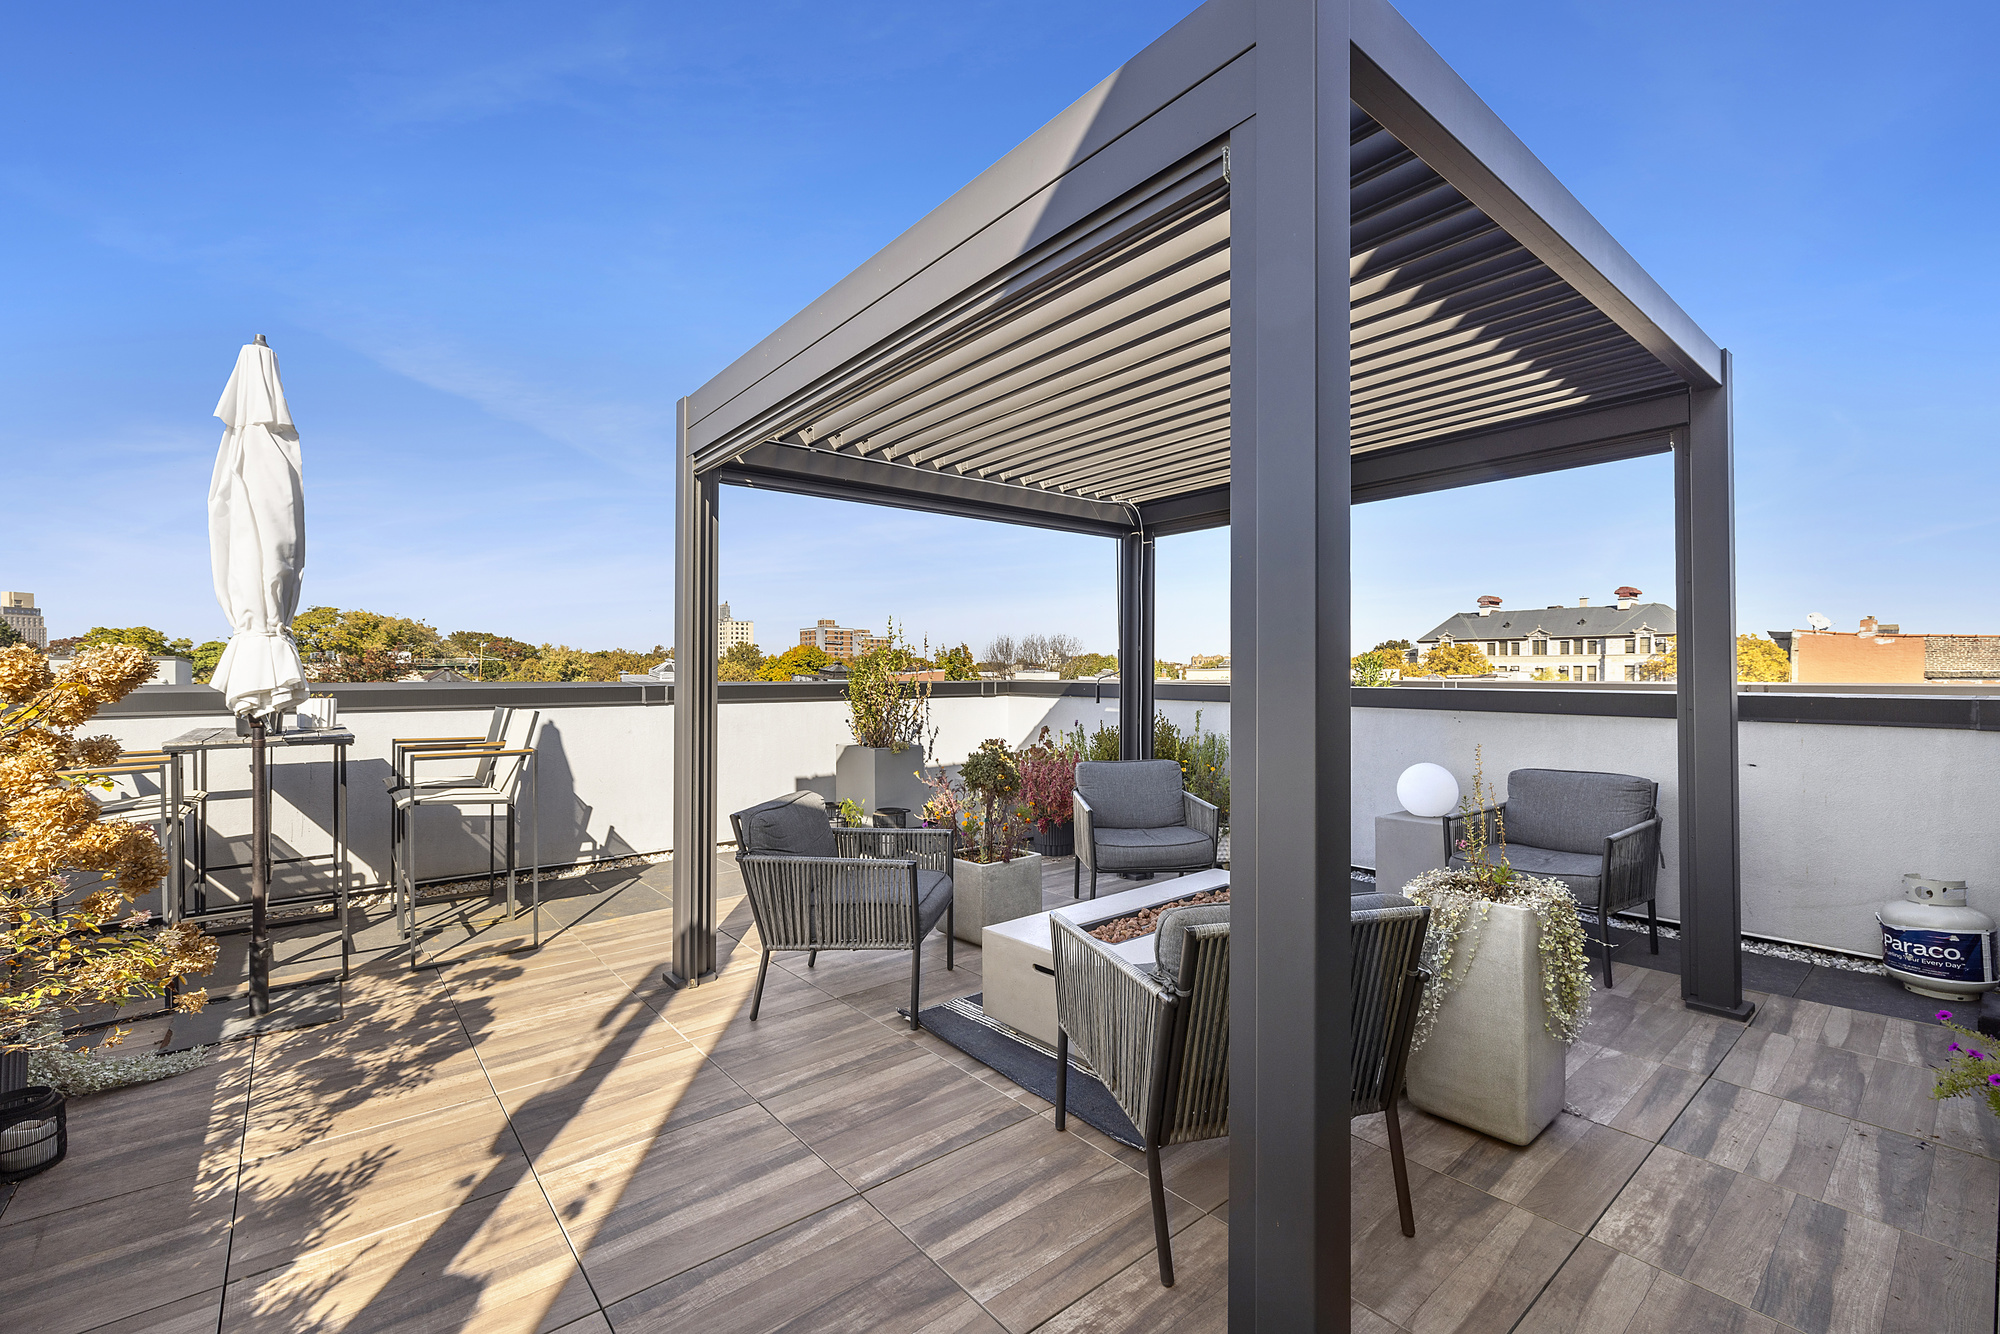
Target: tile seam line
576	1257
236	1187
1611	1200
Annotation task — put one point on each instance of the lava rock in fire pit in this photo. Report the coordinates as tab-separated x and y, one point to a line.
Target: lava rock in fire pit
1118	930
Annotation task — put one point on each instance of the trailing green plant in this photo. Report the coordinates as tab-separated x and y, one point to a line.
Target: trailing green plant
1970	1071
1462	896
98	1070
888	702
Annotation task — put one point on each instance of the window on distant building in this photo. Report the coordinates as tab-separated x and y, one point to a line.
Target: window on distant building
1562	673
1492	650
1631	671
1645	643
1541	647
1631	646
1593	673
1593	645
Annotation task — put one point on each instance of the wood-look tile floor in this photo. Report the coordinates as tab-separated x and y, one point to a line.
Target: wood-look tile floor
558	1141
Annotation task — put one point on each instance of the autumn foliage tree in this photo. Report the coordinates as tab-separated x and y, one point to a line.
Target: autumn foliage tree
1455	660
67	940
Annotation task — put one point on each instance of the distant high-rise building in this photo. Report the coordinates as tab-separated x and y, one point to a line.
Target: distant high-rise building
837	641
733	632
18	611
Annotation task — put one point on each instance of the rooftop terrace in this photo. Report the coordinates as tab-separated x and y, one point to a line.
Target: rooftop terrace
558	1141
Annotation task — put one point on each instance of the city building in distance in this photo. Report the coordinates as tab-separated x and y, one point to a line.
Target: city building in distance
1879	653
1580	643
732	631
837	641
18	611
1208	667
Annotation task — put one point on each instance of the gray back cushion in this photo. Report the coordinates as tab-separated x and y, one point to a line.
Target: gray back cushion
1566	810
1358	904
1132	794
794	825
1170	942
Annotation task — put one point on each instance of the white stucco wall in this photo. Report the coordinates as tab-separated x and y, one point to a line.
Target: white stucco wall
1832	815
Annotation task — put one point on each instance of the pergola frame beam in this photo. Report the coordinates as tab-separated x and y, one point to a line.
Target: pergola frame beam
1284	114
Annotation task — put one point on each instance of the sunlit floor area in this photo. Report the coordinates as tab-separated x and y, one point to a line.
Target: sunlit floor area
556	1140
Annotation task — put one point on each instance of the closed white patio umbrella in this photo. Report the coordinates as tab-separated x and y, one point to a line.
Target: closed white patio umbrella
257	549
257	538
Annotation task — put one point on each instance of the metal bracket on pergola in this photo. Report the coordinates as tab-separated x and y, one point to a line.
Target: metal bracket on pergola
1282	262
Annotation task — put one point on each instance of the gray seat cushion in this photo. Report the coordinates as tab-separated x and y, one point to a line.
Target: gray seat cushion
1568	810
1152	849
1580	871
1365	903
1170	938
794	825
1131	794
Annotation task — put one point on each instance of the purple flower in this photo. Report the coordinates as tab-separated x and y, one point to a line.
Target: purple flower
1943	1015
1956	1047
1978	1055
1994	1080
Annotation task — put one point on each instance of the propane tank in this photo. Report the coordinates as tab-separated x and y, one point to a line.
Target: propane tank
1934	944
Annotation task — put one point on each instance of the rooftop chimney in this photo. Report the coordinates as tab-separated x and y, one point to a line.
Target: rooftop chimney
1867	624
1488	605
1583	602
1627	597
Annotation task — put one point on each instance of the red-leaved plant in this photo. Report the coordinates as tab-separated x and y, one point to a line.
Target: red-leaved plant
1048	776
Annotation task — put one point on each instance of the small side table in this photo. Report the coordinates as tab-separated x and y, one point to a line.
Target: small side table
1406	846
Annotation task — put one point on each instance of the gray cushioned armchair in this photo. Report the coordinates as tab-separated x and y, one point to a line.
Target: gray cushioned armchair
1597	833
813	887
1134	816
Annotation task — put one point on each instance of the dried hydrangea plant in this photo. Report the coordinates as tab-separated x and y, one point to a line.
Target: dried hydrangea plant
60	954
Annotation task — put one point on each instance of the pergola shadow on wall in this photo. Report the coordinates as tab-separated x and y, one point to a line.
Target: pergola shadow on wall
1281	262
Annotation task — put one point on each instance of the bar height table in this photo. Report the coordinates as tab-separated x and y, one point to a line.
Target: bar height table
199	743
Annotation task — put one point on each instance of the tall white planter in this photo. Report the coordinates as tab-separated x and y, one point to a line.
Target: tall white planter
985	893
877	777
1490	1063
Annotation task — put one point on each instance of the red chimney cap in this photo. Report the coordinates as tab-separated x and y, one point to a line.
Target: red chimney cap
1628	592
1489	601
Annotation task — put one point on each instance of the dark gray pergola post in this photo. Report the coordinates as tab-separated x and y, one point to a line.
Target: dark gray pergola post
1291	482
695	661
1705	650
1135	646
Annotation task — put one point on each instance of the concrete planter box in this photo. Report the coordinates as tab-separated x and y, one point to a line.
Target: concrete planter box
985	893
1490	1063
876	777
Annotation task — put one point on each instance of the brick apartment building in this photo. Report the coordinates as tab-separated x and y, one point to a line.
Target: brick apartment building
1882	654
837	641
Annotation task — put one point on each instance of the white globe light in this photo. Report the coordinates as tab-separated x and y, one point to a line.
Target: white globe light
1427	789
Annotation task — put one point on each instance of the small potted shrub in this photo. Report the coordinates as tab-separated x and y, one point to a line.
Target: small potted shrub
992	879
888	706
1048	778
1510	986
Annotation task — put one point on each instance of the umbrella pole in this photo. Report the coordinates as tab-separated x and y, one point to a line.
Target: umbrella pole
260	873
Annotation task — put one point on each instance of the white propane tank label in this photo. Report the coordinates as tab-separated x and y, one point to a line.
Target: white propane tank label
1949	956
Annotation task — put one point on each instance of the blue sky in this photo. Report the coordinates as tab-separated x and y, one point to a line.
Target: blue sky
492	245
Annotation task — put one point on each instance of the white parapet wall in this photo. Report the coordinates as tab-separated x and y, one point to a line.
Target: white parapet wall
1833	812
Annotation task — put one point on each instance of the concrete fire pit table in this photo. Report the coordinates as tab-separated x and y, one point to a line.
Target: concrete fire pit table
1018	968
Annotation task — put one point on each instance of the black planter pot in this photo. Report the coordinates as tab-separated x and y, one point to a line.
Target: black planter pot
34	1132
1058	842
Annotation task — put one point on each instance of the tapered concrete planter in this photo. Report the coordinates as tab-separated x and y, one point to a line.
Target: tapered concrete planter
1490	1063
985	893
877	777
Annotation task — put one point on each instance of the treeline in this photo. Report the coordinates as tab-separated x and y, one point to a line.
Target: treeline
342	645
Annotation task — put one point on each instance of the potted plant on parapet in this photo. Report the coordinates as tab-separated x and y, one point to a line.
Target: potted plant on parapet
1510	984
992	879
1048	779
888	706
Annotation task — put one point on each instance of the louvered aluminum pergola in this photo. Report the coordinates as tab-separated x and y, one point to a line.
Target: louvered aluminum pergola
1282	262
